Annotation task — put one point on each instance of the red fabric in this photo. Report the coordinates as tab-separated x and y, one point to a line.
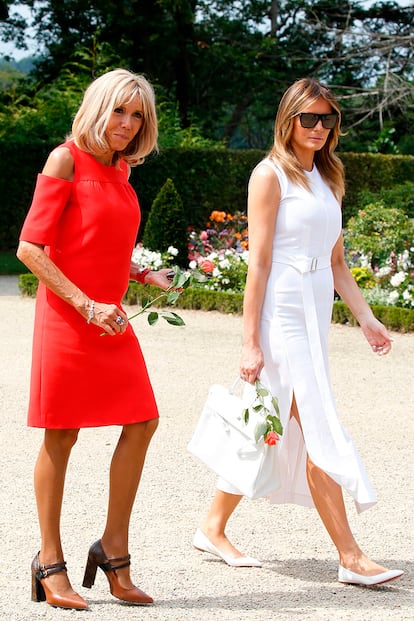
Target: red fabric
79	378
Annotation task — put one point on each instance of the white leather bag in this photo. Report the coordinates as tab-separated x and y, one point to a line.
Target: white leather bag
227	445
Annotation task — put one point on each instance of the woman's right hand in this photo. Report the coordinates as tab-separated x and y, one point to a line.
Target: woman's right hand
110	318
251	363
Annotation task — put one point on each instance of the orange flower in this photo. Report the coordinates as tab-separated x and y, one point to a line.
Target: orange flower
218	216
207	266
271	438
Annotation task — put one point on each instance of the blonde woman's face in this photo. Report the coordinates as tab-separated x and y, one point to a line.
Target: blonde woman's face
124	124
311	139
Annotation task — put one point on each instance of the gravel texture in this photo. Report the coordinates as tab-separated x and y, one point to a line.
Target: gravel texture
298	579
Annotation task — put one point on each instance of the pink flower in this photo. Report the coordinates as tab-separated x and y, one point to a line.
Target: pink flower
203	235
207	266
271	438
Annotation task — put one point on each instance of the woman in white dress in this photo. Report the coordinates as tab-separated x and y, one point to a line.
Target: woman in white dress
296	260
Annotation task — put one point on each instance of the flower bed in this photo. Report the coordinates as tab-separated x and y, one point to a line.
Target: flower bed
220	250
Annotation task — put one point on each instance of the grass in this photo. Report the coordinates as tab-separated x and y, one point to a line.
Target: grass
10	264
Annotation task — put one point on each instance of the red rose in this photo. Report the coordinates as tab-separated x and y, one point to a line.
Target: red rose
271	438
207	266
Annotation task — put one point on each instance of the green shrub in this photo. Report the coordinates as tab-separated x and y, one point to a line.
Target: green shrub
10	264
28	284
400	196
393	317
378	231
166	225
374	172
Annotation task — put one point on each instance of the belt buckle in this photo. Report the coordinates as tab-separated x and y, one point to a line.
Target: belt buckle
314	264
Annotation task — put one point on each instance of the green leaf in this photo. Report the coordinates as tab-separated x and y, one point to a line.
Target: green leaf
278	427
257	408
262	392
199	276
259	431
187	283
246	415
275	404
152	318
276	424
173	319
173	297
181	280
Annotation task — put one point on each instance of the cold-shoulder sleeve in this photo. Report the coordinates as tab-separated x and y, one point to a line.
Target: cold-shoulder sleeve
49	200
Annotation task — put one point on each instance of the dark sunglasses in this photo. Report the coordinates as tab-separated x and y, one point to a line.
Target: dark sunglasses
308	120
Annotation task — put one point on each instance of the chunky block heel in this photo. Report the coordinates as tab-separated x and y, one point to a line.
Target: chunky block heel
38	592
90	571
97	558
41	592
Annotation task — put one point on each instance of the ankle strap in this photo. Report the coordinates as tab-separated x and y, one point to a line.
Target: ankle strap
124	561
43	571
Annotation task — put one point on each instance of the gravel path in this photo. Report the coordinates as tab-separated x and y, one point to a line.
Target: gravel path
298	580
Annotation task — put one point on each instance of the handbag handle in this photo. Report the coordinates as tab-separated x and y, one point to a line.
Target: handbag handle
249	391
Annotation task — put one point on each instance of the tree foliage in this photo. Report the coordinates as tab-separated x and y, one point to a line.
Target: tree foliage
222	66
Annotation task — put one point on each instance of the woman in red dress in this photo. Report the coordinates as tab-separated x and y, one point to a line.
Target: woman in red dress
78	239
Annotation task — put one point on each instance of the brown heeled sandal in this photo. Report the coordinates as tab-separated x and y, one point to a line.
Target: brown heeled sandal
41	592
97	558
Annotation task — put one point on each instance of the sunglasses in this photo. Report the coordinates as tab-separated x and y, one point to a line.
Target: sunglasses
308	120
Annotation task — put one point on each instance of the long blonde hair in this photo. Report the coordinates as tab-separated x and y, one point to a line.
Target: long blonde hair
298	96
103	95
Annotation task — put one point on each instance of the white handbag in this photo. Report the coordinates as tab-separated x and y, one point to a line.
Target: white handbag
228	445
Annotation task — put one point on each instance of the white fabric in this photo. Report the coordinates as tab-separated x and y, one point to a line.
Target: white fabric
295	321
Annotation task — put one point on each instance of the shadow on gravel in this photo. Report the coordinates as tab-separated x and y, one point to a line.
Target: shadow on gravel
327	592
322	571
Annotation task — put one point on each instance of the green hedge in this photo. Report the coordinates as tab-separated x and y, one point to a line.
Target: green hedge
205	180
394	318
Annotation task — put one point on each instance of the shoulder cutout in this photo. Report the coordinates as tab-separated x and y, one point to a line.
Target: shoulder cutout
60	164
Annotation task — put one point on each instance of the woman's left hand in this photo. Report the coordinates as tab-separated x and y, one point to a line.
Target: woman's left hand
377	336
159	278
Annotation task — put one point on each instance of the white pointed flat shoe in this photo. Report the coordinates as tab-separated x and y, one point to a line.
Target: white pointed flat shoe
202	543
350	577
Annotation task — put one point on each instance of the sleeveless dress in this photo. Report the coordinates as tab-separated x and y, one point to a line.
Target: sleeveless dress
295	321
88	227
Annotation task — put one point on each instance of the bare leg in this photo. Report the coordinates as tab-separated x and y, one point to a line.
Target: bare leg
49	481
215	523
329	502
125	474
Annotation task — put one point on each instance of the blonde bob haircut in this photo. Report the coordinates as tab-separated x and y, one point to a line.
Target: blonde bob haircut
295	100
105	94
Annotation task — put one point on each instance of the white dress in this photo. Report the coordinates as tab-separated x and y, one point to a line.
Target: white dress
295	321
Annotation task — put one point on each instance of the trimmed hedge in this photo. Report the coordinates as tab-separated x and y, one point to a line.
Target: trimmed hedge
206	180
393	317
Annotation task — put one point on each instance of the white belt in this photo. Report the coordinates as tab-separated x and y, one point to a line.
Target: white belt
302	263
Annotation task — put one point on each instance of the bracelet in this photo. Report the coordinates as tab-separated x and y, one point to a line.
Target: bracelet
91	311
141	273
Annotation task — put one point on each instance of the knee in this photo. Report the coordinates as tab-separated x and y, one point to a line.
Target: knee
149	427
61	439
141	431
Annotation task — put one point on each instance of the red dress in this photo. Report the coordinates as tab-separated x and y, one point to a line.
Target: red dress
88	227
